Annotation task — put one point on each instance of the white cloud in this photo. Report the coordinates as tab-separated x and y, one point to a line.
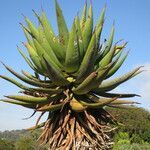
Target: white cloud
139	85
144	82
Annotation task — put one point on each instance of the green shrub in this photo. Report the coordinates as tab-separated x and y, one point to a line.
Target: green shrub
145	146
136	122
29	142
25	143
136	139
6	145
121	136
124	142
146	135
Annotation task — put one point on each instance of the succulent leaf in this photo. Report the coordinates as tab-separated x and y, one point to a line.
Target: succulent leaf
88	61
88	29
84	16
72	53
112	84
62	27
55	73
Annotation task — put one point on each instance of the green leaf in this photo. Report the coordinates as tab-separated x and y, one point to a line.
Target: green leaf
108	58
79	38
62	27
31	99
27	59
51	107
112	84
109	43
26	80
32	29
88	60
28	35
117	66
44	90
88	29
99	25
86	85
72	53
34	57
24	104
55	73
101	103
92	81
110	95
53	41
83	17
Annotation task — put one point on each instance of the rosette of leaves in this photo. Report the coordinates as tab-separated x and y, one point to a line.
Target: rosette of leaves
71	80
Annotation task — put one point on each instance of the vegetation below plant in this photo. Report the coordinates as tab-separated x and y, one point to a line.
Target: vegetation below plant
135	121
134	131
124	142
20	140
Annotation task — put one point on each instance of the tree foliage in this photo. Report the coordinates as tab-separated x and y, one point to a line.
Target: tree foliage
136	121
124	142
6	145
24	141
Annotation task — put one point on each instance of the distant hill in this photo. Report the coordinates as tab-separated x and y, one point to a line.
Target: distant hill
12	135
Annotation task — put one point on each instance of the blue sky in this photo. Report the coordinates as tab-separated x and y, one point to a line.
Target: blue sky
132	22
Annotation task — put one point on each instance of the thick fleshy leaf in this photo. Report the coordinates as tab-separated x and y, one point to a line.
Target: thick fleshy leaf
86	85
32	29
30	76
83	17
120	48
26	80
117	66
88	61
55	74
27	59
35	78
108	58
72	53
32	99
46	24
41	52
44	90
50	107
56	46
34	57
28	36
108	43
80	43
62	27
101	103
110	95
14	82
24	104
76	105
44	48
28	99
123	102
87	30
112	84
99	25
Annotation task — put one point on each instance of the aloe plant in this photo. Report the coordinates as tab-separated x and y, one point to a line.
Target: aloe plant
71	80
